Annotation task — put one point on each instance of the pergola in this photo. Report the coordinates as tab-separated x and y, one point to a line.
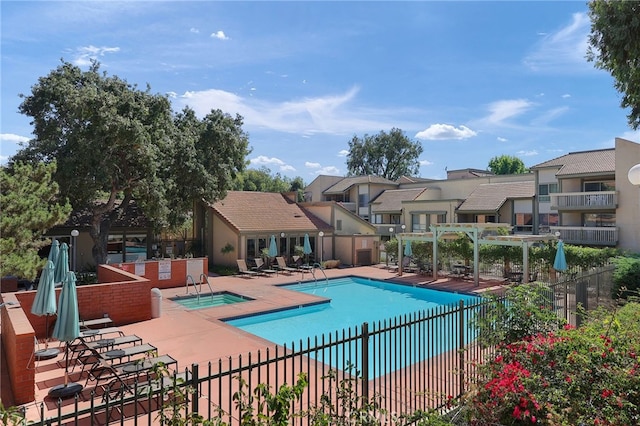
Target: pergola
475	231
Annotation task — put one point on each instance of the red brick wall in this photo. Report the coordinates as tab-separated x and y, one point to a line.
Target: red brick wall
18	344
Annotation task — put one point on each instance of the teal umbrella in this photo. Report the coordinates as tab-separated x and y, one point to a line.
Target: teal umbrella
560	262
67	329
306	247
407	249
62	264
45	304
54	252
273	248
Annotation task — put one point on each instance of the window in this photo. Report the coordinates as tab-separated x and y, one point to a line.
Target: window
544	190
485	218
599	219
339	225
419	223
363	200
376	218
441	218
524	222
394	219
546	221
606	185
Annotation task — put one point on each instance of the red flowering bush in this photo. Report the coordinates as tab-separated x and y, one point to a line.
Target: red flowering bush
586	376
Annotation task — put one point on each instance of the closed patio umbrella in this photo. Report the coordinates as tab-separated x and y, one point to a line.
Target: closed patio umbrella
306	247
407	249
67	329
560	262
273	248
45	304
62	264
54	252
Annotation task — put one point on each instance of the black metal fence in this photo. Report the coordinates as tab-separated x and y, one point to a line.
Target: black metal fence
414	362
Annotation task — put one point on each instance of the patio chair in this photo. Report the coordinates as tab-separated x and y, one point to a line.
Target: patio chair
262	268
243	270
282	265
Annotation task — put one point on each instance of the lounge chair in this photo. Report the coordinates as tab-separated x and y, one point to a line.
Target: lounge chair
262	268
243	270
282	265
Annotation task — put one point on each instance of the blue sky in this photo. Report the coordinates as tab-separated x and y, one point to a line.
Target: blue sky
469	80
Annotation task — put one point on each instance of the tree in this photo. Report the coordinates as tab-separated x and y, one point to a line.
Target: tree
115	143
614	46
263	181
30	206
389	155
507	165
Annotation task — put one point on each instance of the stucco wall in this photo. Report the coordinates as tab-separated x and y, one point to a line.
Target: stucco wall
628	211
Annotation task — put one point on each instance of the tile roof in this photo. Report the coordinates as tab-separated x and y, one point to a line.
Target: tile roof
348	182
491	196
584	162
265	211
391	199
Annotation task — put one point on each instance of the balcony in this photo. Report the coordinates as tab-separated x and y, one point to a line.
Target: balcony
349	206
383	228
604	200
592	236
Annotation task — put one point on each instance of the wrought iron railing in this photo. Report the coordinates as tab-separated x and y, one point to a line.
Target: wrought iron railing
413	362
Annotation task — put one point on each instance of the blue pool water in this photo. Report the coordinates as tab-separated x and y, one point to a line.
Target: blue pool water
351	302
208	300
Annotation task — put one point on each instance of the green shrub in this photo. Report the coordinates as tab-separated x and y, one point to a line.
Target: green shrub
575	376
525	310
626	277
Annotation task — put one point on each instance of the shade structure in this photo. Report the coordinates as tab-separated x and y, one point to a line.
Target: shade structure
560	262
62	264
67	329
408	251
273	248
54	252
44	304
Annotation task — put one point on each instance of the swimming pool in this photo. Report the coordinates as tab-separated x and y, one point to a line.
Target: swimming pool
209	300
350	302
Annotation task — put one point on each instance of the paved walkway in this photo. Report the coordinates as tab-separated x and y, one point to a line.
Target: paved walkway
199	336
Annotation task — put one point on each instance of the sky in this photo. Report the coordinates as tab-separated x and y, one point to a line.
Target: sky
469	80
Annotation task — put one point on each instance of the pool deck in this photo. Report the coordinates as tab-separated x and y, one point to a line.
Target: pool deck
199	336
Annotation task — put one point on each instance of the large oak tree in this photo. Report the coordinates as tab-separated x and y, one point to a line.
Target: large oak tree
115	143
389	155
614	46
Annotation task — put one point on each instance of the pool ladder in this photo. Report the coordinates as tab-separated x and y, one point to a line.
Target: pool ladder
313	272
203	278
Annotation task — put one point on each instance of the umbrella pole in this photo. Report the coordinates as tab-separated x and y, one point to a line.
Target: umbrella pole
46	353
67	389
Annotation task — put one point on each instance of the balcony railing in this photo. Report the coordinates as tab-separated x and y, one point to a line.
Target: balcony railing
383	228
602	236
585	200
349	206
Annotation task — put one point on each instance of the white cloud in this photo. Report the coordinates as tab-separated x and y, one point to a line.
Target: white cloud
343	153
287	168
330	114
501	139
444	132
631	135
10	137
566	96
425	162
527	153
220	35
549	116
84	55
564	49
264	160
500	111
194	31
312	165
328	170
172	95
